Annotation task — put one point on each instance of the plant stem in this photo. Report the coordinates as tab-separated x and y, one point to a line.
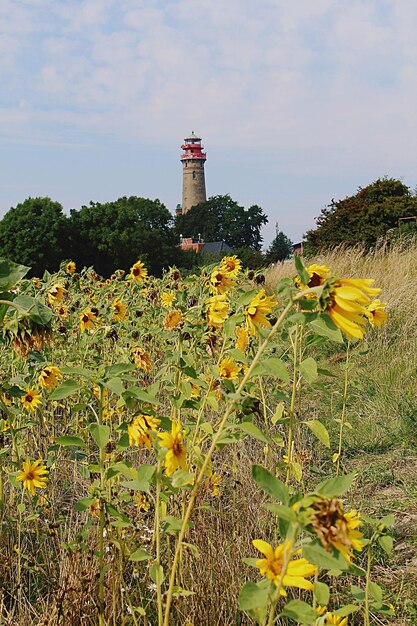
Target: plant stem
158	543
293	399
343	417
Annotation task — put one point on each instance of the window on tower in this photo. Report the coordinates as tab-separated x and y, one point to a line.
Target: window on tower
194	175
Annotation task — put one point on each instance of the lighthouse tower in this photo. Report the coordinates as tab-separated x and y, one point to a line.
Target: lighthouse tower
193	181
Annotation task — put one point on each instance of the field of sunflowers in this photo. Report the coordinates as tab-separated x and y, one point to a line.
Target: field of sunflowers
181	450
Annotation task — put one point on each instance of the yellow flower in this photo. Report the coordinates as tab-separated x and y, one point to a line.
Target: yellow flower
336	528
173	320
218	310
88	320
229	369
62	312
335	620
36	282
142	503
176	455
243	339
141	358
138	272
94	508
220	281
297	570
31	399
70	267
258	307
232	265
346	303
317	274
33	476
119	310
56	294
376	313
50	377
167	299
139	430
215	481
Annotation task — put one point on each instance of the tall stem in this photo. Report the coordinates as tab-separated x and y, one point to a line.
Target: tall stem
293	400
343	417
158	543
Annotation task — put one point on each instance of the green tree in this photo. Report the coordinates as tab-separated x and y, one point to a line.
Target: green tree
222	219
280	249
116	234
362	218
34	233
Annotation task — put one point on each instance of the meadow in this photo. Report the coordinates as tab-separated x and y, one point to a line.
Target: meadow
227	448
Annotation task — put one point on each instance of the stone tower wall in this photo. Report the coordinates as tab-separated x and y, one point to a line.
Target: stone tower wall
193	184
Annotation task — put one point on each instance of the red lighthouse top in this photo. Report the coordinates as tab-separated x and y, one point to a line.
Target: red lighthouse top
192	148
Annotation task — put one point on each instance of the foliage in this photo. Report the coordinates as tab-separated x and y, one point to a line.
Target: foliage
362	218
34	233
280	249
222	219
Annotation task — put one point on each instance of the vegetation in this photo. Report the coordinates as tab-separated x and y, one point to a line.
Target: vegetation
171	445
363	218
280	249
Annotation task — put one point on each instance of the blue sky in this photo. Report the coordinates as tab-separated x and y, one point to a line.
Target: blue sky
297	102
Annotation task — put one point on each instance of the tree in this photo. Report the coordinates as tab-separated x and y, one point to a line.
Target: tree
34	233
223	219
116	234
280	249
362	218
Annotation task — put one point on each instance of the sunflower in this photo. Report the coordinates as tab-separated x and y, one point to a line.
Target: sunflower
176	454
31	399
297	569
231	265
138	430
88	320
317	276
346	301
214	481
50	377
70	267
33	476
167	299
119	310
229	369
141	502
243	339
173	320
220	281
376	313
217	310
336	528
62	311
95	508
36	282
141	358
56	294
335	620
138	272
258	307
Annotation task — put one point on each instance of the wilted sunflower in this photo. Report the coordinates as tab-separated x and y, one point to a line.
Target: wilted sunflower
243	339
176	454
56	294
119	310
94	508
257	309
298	570
232	265
88	320
173	320
214	482
139	430
141	358
141	502
346	301
217	310
167	299
336	528
31	399
220	281
33	476
229	369
70	267
138	272
376	313
50	377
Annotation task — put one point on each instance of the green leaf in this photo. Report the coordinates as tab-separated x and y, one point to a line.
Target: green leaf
252	596
320	431
245	298
375	591
301	270
386	542
10	274
100	434
181	478
68	440
115	385
139	555
67	388
276	367
35	310
156	572
322	593
308	370
283	512
271	485
141	394
300	611
80	371
83	504
317	555
324	327
346	610
113	371
254	431
337	486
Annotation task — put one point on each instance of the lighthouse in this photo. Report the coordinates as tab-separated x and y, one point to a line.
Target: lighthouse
193	181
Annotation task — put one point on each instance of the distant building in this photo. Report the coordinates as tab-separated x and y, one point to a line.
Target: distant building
193	179
298	248
209	247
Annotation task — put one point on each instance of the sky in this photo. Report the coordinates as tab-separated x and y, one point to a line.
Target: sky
297	102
